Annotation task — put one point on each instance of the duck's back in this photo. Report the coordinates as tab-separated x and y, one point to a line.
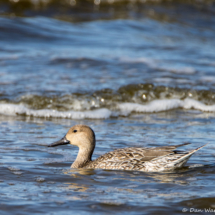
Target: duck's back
132	158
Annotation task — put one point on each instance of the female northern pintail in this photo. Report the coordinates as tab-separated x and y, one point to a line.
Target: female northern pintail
133	158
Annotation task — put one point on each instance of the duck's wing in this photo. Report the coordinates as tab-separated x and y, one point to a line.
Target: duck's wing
143	159
172	147
131	158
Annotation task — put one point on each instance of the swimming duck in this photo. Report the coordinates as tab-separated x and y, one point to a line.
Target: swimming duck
152	159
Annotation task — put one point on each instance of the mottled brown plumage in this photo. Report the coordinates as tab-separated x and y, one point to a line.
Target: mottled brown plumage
133	158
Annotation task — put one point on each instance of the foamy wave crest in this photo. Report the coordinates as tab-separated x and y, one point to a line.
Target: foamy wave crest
12	109
164	105
123	109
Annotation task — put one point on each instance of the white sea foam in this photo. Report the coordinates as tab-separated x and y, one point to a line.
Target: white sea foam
154	106
103	113
166	104
12	109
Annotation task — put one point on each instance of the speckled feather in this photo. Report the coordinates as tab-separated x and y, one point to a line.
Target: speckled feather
142	159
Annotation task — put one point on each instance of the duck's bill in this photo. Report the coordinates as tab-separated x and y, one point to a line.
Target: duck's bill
63	141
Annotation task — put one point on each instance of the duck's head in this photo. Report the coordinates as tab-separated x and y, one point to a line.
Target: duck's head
79	135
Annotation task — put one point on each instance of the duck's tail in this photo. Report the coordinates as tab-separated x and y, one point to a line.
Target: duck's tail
182	160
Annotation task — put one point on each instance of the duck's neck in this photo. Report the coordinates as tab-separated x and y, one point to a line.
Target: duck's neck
83	157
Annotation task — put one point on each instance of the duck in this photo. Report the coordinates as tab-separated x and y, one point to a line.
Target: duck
145	159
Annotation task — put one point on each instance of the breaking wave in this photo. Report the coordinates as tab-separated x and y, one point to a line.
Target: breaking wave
11	109
106	103
121	109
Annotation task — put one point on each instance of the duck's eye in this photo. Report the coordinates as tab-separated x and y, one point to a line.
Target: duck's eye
75	131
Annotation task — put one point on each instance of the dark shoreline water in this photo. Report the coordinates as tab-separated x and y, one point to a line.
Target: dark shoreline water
139	73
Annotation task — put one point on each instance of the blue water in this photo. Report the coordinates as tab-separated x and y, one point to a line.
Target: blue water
67	65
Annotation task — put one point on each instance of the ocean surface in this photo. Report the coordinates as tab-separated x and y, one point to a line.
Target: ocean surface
139	73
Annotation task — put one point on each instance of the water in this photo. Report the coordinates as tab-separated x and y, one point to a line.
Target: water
140	74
